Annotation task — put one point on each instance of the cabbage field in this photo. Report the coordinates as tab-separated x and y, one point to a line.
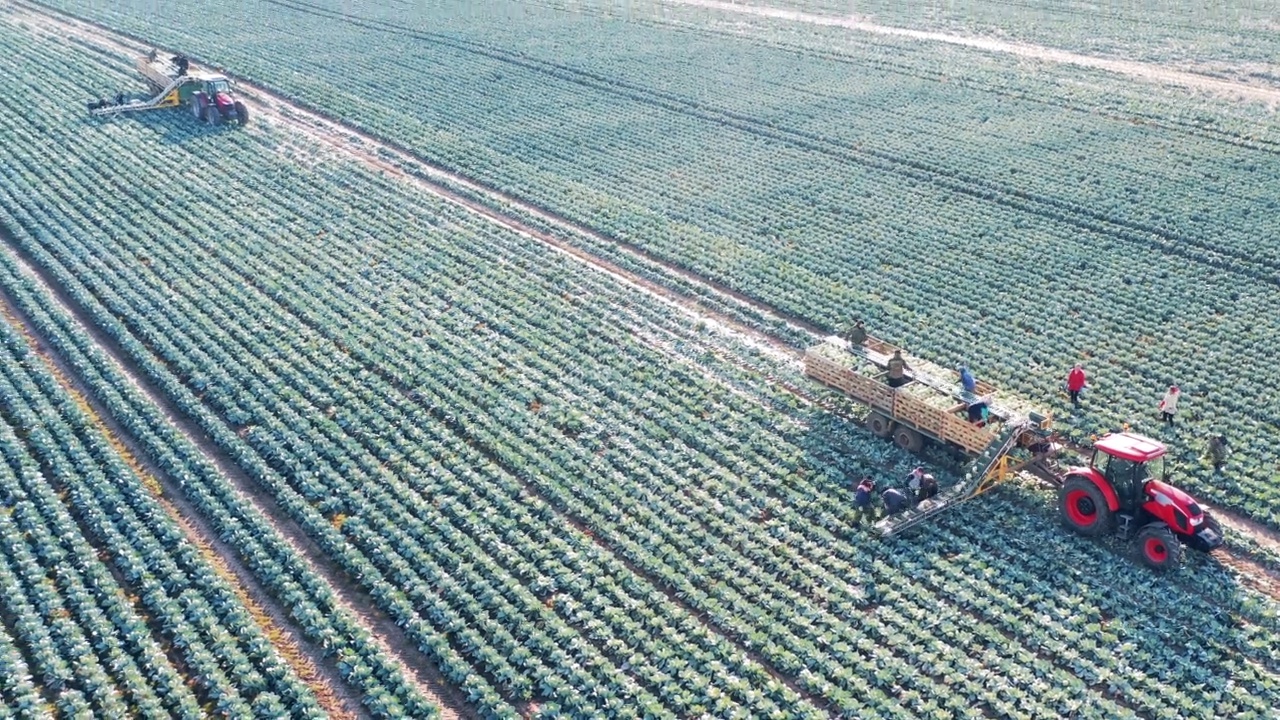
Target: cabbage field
487	466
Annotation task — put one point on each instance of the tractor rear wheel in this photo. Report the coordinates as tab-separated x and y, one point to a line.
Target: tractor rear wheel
242	114
197	109
908	439
1084	509
879	425
1159	547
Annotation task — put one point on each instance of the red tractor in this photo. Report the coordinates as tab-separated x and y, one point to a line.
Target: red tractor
1119	492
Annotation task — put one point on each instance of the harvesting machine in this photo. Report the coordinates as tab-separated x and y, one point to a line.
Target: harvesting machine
1117	485
173	82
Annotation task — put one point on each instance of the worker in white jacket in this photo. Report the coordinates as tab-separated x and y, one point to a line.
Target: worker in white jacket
1169	405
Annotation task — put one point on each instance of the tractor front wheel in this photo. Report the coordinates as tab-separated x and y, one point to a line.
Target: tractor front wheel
1159	547
1084	509
879	425
908	439
242	114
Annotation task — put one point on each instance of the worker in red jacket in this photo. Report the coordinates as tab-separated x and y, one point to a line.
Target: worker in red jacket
1075	383
862	500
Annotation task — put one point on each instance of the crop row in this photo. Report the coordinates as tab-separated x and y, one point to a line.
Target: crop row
411	375
936	225
269	327
456	607
60	459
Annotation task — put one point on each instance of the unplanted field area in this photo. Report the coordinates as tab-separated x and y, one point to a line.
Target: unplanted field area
572	497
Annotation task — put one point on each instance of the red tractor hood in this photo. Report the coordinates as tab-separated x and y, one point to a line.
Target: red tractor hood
223	100
1166	494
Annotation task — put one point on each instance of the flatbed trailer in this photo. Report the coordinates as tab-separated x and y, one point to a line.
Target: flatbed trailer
932	406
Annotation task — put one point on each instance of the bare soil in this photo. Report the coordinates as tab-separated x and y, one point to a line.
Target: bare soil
1147	72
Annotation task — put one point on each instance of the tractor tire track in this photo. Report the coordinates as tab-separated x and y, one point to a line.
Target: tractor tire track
1190	248
1145	71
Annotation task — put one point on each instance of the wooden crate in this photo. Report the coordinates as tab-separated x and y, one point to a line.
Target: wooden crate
858	386
919	414
826	371
960	431
880	346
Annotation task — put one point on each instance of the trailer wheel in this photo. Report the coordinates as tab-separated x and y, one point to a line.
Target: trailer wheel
242	114
908	439
879	425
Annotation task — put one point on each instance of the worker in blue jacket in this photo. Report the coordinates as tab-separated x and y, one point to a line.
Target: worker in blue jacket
967	381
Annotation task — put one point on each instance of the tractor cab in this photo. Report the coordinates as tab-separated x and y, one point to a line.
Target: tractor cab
1127	462
216	84
1125	490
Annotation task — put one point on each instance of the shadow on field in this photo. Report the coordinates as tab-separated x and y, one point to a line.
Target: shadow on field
169	125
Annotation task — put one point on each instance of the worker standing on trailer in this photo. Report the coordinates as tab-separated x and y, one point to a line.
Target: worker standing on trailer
897	370
967	382
1169	405
862	499
857	334
979	411
1075	383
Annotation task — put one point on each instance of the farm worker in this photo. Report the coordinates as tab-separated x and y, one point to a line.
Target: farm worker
915	475
862	499
894	501
897	370
1218	451
182	62
1169	405
856	334
1075	383
967	381
928	488
979	412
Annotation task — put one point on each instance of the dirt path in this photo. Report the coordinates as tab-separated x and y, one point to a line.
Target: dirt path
1147	72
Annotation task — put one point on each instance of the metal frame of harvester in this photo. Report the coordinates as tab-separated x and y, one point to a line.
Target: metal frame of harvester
174	82
1110	492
